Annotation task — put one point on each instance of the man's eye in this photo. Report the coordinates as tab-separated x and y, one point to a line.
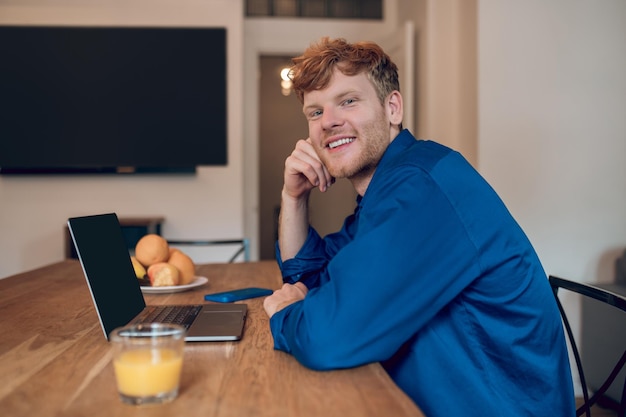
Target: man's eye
349	101
316	113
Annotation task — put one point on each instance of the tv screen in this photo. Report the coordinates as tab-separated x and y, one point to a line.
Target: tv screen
112	99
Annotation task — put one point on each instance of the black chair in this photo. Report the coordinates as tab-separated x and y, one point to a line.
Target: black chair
242	246
611	299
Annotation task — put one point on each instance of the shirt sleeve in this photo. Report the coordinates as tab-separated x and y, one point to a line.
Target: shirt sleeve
383	286
307	263
311	260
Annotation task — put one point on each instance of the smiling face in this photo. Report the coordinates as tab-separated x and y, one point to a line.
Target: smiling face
350	128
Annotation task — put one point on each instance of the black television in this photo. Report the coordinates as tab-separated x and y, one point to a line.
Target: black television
112	99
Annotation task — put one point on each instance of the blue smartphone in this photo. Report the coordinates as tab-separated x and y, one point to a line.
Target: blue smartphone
236	295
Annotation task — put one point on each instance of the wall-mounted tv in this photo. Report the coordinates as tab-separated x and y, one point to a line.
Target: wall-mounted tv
111	99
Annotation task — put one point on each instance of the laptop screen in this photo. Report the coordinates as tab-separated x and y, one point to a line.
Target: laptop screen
106	263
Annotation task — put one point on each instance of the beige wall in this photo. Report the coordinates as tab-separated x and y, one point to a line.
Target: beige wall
544	122
219	202
33	210
447	74
552	131
552	135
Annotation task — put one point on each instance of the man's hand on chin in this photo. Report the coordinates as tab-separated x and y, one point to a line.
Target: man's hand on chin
287	295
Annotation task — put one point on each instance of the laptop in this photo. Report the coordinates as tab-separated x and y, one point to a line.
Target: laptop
117	295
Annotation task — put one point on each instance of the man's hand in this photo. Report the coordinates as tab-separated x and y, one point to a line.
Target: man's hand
287	295
304	171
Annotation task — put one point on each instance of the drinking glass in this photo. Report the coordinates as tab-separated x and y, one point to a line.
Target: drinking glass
148	360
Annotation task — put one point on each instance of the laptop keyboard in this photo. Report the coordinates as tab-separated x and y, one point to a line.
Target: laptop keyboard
181	314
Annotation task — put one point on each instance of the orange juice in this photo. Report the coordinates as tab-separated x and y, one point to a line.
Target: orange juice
148	372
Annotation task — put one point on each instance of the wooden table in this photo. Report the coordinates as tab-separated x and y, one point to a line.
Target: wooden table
55	361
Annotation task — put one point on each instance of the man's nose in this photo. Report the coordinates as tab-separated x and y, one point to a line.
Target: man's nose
331	118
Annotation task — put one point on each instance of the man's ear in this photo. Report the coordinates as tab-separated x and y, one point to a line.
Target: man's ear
394	108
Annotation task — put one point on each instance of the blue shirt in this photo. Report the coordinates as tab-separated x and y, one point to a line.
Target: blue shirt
432	277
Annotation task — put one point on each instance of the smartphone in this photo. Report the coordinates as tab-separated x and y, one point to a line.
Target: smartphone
236	295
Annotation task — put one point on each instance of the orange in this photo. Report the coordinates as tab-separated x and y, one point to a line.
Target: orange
152	249
184	264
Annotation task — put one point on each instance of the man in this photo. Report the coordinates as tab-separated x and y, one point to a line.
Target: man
430	275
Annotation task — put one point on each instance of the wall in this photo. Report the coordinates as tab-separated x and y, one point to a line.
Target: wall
552	131
552	126
218	202
550	122
447	74
33	210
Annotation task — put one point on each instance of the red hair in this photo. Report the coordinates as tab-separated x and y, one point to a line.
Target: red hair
314	68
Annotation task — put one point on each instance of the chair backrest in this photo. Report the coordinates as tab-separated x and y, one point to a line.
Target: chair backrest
242	246
609	298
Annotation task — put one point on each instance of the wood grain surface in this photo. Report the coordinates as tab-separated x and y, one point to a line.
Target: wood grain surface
55	360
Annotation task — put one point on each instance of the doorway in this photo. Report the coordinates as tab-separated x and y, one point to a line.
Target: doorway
281	124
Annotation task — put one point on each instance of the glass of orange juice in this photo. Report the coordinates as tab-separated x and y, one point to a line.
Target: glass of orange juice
148	360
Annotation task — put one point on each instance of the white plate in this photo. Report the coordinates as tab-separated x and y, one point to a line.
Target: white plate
199	281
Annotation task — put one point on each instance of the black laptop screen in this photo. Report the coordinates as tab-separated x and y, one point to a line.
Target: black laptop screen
106	263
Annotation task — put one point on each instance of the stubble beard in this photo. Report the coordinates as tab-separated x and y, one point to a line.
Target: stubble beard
374	139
